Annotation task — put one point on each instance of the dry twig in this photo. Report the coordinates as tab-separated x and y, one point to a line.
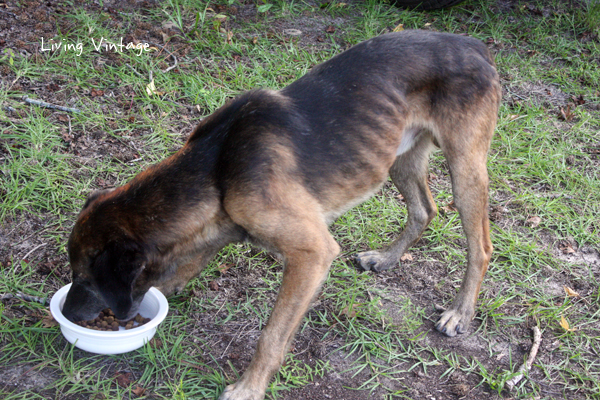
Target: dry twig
32	250
537	339
25	297
9	13
134	70
48	105
171	54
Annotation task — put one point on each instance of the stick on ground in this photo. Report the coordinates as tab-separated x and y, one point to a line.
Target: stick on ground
48	105
25	297
32	250
170	54
537	339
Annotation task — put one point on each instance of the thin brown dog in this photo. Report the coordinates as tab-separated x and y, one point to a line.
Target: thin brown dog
277	167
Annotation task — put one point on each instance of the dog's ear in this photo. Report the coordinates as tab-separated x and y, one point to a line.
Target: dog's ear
115	271
94	195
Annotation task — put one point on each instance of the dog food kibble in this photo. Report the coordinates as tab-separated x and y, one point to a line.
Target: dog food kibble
106	321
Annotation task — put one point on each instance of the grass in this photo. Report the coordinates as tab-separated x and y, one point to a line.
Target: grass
369	333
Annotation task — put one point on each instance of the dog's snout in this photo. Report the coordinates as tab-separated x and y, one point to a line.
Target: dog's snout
82	303
71	316
122	315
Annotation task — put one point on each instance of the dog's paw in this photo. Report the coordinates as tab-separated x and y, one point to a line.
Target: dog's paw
374	261
453	322
239	392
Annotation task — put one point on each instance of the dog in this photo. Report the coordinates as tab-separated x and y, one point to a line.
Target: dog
277	167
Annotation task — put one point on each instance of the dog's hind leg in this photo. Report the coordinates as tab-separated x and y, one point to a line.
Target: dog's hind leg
300	234
409	174
467	155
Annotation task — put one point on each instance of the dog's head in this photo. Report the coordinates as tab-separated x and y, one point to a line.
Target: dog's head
106	262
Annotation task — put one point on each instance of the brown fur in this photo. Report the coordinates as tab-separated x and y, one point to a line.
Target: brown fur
276	168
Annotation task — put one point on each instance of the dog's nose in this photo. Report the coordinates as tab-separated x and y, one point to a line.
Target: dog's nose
71	316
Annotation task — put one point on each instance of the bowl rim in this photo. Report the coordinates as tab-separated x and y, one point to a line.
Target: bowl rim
163	309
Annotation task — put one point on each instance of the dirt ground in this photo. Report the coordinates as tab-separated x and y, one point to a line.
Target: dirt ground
21	238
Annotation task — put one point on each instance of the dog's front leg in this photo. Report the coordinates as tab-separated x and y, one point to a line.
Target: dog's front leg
307	264
174	282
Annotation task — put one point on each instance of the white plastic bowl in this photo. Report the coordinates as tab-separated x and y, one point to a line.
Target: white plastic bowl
153	306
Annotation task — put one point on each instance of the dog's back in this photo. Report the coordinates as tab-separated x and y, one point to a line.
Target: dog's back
343	124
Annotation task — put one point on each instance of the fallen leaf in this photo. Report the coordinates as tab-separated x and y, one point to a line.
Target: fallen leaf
579	101
45	268
565	324
169	25
533	222
97	93
406	257
138	390
45	317
101	182
350	311
566	114
399	28
123	379
151	89
223	268
496	212
449	208
292	32
566	248
49	322
570	292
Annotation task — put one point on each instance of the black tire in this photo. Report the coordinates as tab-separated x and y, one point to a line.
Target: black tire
425	4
